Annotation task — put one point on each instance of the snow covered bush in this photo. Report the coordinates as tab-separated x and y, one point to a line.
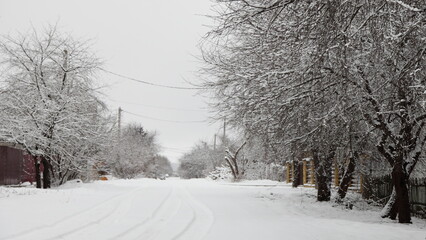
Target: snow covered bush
221	173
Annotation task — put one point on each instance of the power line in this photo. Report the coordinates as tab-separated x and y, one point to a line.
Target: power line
163	120
160	107
150	83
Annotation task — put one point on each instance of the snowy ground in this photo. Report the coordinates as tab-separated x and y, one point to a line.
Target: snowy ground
188	209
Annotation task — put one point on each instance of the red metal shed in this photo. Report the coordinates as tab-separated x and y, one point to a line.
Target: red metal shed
16	165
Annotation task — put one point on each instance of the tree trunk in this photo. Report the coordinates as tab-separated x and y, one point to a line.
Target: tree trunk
394	209
366	186
347	176
46	173
323	176
296	173
399	202
324	193
390	206
232	160
234	174
400	182
37	172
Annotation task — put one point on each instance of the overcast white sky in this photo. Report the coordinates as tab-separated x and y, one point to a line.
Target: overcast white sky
154	41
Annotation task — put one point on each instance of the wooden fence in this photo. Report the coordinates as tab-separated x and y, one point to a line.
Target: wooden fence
381	189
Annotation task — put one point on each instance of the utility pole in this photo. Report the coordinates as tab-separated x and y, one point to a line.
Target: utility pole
119	122
119	132
224	129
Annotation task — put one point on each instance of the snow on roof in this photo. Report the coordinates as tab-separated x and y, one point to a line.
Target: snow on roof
10	144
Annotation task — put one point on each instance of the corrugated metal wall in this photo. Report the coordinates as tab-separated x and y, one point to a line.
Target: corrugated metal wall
11	160
28	169
2	164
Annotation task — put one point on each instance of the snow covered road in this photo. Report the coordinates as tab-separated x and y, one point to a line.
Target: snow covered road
187	209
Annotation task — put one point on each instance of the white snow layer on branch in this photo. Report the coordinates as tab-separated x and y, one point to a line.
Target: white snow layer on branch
403	4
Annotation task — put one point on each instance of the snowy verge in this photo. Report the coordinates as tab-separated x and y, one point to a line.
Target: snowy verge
353	208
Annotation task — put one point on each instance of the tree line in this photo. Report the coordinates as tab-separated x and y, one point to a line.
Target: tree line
310	77
233	159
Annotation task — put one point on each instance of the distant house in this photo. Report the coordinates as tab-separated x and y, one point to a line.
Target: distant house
16	165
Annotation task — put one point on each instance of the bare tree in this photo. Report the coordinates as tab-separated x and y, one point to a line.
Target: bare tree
49	102
303	72
233	163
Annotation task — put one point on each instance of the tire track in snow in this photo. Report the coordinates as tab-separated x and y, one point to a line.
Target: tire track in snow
201	222
158	223
64	220
172	219
180	216
118	211
133	229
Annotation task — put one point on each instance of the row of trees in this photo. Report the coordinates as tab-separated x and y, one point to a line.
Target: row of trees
137	155
49	104
243	159
200	161
309	77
